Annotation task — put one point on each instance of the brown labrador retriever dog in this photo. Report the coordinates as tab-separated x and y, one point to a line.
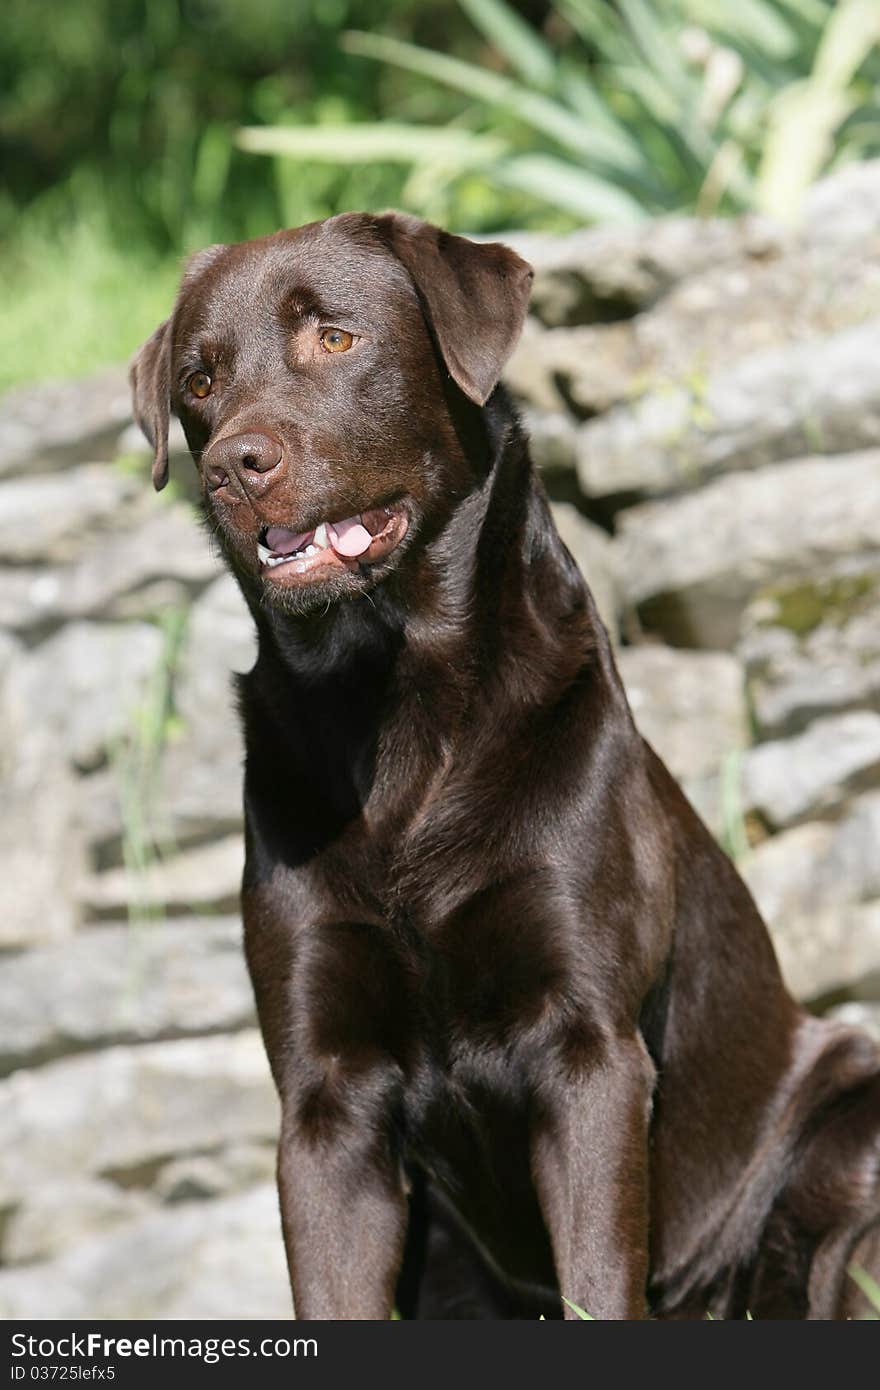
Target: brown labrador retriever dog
527	1027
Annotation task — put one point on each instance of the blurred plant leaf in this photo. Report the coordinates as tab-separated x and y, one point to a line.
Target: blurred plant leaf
750	21
576	190
369	142
803	117
549	117
521	45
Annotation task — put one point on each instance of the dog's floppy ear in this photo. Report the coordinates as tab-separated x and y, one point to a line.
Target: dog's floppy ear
475	295
151	397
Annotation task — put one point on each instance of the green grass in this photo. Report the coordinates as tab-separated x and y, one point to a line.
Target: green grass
74	303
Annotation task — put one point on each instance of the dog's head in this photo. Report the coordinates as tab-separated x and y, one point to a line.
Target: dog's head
319	375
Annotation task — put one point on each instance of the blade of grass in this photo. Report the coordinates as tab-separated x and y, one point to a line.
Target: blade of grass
869	1287
587	1317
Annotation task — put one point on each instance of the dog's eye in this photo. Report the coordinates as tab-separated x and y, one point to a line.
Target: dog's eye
336	339
199	385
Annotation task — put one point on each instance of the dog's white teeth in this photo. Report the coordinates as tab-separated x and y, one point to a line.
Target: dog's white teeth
320	537
270	560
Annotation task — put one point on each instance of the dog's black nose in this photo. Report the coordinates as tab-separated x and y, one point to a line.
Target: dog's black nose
249	457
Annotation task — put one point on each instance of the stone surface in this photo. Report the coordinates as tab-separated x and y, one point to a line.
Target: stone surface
220	639
111	984
692	563
116	1111
552	439
53	424
208	876
812	647
825	952
588	368
200	1177
594	555
41	849
606	273
62	1214
88	683
200	792
843	209
791	778
818	865
690	706
821	397
58	515
180	1263
127	575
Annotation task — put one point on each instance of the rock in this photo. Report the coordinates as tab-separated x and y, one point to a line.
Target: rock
825	952
39	865
201	774
690	706
195	795
552	439
692	563
843	210
88	682
602	274
812	647
59	515
818	888
821	396
223	1260
64	1213
117	1111
141	569
788	779
586	369
593	553
113	984
220	639
42	853
55	424
817	866
206	877
201	792
201	1177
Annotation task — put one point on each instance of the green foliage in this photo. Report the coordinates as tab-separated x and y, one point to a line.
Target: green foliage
76	298
130	106
130	129
638	106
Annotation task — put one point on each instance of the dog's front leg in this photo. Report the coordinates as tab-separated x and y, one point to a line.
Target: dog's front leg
343	1208
590	1167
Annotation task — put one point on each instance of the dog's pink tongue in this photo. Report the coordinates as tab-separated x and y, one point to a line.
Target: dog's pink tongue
349	537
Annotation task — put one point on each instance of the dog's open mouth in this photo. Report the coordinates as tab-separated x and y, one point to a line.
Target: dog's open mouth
348	543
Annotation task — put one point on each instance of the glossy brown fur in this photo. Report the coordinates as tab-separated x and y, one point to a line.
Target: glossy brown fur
526	1024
